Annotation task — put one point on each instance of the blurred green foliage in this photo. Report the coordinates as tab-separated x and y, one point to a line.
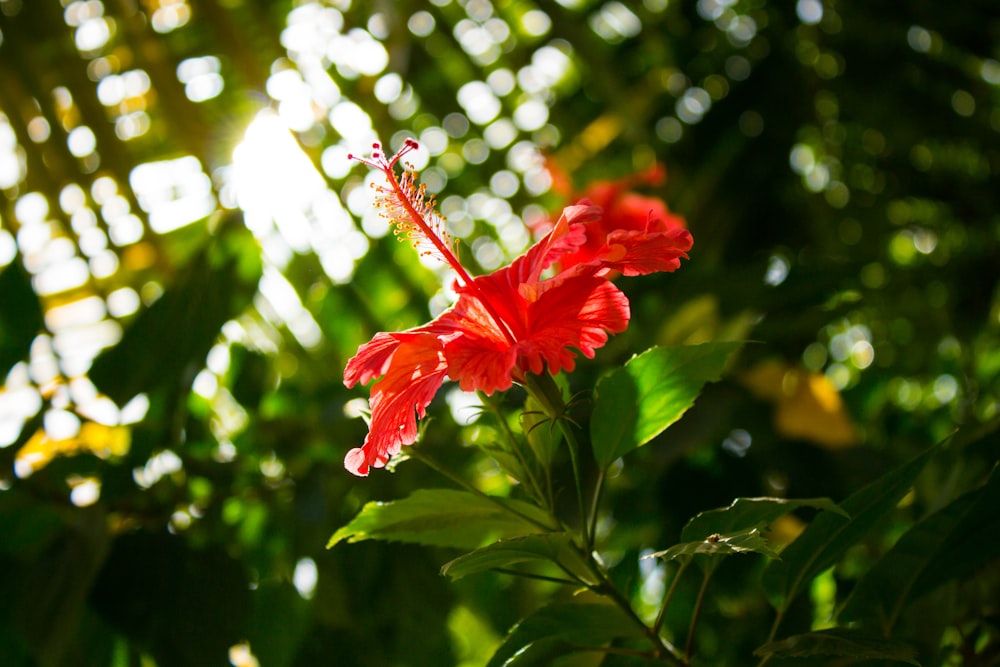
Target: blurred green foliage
836	163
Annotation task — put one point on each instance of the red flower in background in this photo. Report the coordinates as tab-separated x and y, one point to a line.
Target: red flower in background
625	214
504	325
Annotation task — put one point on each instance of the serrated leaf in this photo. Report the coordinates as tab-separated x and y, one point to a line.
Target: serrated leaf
575	624
744	541
830	534
551	547
945	545
635	403
748	513
442	517
840	643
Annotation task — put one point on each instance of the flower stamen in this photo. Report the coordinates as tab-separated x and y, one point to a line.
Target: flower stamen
411	210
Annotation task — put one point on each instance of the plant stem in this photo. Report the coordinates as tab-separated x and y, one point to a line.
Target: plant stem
543	389
534	489
778	618
664	649
669	596
588	538
695	614
598	487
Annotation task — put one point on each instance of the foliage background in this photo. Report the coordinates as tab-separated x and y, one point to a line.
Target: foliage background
836	163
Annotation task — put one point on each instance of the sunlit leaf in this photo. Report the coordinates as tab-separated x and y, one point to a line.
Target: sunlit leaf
634	404
555	629
844	644
830	534
442	517
748	513
943	546
741	542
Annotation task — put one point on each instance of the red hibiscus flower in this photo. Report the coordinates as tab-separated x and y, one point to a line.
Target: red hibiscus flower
625	213
503	325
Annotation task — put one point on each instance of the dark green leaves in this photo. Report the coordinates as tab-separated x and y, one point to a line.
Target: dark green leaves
840	643
636	403
563	628
20	316
948	544
826	539
749	513
200	595
166	344
443	517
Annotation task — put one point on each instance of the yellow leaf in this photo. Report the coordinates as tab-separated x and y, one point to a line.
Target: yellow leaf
94	438
807	405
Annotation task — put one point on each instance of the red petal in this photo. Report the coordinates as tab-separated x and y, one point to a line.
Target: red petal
579	313
575	311
413	368
634	253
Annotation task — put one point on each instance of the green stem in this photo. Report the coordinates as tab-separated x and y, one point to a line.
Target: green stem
534	489
695	614
543	389
598	488
424	458
779	617
605	587
574	457
669	596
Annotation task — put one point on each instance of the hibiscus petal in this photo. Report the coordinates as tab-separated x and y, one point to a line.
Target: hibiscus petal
372	359
576	313
481	358
635	253
414	369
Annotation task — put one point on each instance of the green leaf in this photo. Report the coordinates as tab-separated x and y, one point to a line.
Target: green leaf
946	545
745	541
635	403
551	547
561	628
830	534
183	324
840	643
749	513
442	517
20	316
